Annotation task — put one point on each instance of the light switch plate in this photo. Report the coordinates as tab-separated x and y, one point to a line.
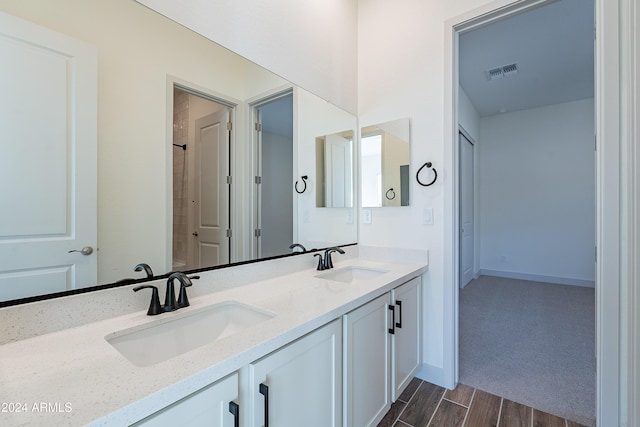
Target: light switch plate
349	216
427	216
366	216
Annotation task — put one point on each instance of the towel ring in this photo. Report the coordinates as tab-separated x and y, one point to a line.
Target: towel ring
393	194
435	174
304	181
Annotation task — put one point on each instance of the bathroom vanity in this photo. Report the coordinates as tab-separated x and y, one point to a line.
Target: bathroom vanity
332	348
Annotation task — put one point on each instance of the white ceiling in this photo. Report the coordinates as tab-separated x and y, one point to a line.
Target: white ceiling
553	46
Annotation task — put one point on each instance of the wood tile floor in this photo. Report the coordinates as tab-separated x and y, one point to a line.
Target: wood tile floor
425	404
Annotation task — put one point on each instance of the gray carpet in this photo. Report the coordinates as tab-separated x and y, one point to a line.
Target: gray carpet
531	342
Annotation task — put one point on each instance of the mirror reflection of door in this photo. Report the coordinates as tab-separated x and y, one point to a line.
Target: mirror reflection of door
334	160
274	126
384	158
48	179
371	168
201	182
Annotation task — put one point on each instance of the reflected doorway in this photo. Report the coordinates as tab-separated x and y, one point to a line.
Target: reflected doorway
201	181
274	231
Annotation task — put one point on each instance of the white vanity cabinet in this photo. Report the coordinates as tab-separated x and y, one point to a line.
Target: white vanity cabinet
210	406
377	346
382	353
301	383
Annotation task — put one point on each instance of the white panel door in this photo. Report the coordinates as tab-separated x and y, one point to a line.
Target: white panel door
301	383
466	211
48	117
338	171
212	189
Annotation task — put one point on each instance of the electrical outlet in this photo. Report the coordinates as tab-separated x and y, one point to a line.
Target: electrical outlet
305	216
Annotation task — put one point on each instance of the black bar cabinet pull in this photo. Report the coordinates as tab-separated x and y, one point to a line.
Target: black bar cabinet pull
264	390
392	329
234	408
399	322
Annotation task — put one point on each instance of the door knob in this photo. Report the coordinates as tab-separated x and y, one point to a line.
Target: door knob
195	234
87	250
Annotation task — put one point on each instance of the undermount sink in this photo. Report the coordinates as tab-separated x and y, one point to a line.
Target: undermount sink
351	274
162	340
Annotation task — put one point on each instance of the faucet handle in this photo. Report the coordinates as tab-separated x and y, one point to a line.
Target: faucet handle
154	306
328	263
320	262
183	300
327	259
170	303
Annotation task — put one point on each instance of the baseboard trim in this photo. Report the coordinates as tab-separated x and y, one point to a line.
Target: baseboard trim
434	375
539	278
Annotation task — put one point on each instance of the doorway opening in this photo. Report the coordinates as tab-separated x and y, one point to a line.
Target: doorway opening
202	128
525	203
274	230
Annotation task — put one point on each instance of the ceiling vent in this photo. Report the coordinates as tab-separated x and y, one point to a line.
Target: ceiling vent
500	72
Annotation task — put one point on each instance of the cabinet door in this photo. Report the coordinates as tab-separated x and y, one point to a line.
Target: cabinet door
301	382
206	407
366	337
406	342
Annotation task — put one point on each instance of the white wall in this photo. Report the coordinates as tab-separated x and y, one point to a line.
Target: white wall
537	193
318	227
404	69
401	65
311	43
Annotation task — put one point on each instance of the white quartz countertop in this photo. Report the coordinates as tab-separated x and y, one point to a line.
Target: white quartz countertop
75	377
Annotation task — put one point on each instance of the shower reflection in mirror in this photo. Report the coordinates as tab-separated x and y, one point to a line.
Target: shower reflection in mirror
384	163
201	214
334	166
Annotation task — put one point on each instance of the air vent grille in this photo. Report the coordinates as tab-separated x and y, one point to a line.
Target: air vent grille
500	72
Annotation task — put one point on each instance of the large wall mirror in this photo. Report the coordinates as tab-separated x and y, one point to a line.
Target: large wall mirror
384	163
160	84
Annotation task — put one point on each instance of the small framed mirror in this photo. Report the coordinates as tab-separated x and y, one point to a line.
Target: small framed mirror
384	160
334	170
